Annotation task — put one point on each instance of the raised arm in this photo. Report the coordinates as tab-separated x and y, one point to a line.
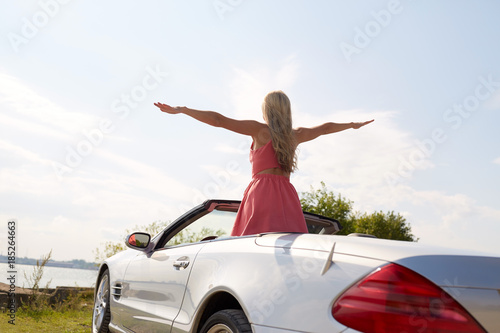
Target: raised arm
304	134
245	127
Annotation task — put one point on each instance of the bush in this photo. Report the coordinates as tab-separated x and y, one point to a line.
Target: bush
388	225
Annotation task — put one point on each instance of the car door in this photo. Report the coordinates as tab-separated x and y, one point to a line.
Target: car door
155	285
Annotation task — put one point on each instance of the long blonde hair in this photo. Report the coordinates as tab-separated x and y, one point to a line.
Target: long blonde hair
277	113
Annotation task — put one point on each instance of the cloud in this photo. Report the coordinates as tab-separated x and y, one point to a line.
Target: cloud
355	163
452	220
354	158
23	153
72	212
249	86
27	106
240	148
497	160
31	127
68	215
145	176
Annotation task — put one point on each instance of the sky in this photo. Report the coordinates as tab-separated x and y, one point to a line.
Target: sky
85	155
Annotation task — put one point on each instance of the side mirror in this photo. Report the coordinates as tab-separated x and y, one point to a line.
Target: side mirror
138	240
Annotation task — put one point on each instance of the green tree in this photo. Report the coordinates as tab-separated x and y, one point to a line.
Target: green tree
382	225
328	204
385	225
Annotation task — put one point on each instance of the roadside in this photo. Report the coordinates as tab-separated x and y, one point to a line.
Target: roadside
63	309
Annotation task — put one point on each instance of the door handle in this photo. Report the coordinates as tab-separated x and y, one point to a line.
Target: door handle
181	264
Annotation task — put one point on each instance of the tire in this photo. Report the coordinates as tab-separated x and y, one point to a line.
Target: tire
227	321
101	315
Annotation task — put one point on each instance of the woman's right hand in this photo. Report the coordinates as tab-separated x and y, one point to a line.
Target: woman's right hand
169	109
359	125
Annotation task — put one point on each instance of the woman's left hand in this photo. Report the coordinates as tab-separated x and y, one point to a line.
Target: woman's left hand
169	109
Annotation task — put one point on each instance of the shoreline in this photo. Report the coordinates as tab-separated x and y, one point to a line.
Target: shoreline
17	295
75	263
58	265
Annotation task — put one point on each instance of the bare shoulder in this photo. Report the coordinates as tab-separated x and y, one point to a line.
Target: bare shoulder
257	128
257	125
246	127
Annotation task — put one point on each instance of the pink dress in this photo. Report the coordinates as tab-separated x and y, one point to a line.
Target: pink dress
270	202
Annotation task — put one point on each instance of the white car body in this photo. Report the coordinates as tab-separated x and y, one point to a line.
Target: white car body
282	282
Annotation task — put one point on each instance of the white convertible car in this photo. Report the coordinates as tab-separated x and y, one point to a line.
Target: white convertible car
193	277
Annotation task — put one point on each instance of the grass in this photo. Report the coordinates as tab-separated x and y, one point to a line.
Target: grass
42	315
50	321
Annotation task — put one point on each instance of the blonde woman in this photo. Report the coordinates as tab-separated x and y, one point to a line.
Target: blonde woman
270	202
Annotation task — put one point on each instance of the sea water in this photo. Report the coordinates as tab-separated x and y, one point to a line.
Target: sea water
54	276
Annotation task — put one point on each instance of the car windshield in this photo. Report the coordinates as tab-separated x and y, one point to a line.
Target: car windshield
217	223
218	219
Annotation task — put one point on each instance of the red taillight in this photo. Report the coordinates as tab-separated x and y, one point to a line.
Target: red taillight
396	299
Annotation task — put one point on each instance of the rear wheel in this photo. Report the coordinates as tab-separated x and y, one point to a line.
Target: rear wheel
102	314
227	321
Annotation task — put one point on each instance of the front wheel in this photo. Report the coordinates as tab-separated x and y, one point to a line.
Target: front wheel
227	321
102	314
